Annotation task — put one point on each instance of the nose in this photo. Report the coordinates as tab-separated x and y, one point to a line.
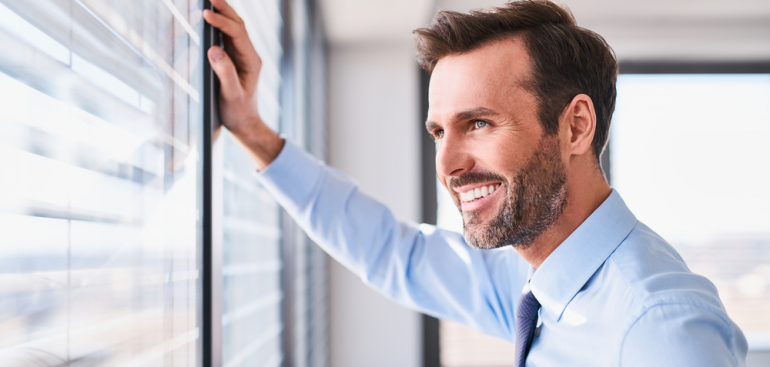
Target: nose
452	156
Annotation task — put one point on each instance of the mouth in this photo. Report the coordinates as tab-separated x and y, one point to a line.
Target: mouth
474	196
471	193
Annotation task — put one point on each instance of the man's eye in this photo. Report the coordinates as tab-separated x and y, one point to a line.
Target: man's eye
438	134
479	124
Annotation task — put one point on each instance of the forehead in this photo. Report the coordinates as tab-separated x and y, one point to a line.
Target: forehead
491	76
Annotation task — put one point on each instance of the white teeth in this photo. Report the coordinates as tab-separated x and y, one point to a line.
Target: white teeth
478	192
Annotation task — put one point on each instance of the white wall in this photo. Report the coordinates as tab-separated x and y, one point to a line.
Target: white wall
373	136
664	30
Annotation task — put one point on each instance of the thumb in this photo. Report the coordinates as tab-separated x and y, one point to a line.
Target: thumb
225	69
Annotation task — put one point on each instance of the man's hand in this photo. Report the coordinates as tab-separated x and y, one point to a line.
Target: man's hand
238	72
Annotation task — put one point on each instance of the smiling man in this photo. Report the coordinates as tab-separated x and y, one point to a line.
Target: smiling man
551	258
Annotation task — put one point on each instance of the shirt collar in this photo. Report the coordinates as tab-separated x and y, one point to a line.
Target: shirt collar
561	276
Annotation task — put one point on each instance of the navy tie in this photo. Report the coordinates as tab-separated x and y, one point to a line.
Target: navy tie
526	320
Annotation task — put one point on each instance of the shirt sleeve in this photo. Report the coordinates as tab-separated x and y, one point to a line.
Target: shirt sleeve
680	335
420	266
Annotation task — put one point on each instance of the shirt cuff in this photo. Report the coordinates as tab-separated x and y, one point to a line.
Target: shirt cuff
293	176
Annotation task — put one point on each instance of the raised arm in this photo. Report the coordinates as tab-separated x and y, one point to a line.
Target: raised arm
238	71
419	266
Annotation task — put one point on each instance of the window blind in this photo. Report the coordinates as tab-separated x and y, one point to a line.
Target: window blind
100	196
252	324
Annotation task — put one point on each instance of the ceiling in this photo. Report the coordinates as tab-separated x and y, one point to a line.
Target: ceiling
664	30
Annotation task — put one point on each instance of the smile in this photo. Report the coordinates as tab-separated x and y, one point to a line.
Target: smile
477	193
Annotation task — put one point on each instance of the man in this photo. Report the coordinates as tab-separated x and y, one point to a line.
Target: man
520	106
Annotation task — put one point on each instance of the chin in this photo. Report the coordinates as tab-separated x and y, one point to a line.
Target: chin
493	234
478	237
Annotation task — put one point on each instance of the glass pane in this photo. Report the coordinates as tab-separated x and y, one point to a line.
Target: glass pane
690	156
100	196
251	319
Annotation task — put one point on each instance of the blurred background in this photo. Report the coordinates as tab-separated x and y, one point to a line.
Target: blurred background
128	236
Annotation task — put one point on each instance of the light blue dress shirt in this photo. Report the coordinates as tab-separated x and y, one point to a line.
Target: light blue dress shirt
613	293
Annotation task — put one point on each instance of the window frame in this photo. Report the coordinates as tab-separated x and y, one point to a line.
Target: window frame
212	245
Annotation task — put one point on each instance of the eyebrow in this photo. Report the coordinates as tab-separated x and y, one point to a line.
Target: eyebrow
466	115
474	113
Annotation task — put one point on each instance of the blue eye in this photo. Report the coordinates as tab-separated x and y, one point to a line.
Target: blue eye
439	134
479	124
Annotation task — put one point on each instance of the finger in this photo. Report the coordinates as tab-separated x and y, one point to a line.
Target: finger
242	51
225	24
226	10
223	66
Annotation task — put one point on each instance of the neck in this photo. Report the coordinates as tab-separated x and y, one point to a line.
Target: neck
585	193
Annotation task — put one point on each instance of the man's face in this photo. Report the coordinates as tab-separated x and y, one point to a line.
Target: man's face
505	175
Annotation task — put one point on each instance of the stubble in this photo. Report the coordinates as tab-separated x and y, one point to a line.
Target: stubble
534	200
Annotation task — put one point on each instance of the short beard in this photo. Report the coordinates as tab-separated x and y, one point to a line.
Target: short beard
533	202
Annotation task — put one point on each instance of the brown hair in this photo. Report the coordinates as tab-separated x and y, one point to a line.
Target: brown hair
566	60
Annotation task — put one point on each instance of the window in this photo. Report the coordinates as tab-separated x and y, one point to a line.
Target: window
129	236
251	223
100	196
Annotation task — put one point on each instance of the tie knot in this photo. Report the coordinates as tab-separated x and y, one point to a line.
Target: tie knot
528	305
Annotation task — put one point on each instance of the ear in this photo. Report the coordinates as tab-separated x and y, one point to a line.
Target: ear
578	121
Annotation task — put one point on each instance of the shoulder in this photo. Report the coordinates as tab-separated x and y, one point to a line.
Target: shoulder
656	273
678	313
683	335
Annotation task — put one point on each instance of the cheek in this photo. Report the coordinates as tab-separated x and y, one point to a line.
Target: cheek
502	157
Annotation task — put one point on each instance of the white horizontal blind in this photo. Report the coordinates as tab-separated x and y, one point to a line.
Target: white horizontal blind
99	199
251	319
